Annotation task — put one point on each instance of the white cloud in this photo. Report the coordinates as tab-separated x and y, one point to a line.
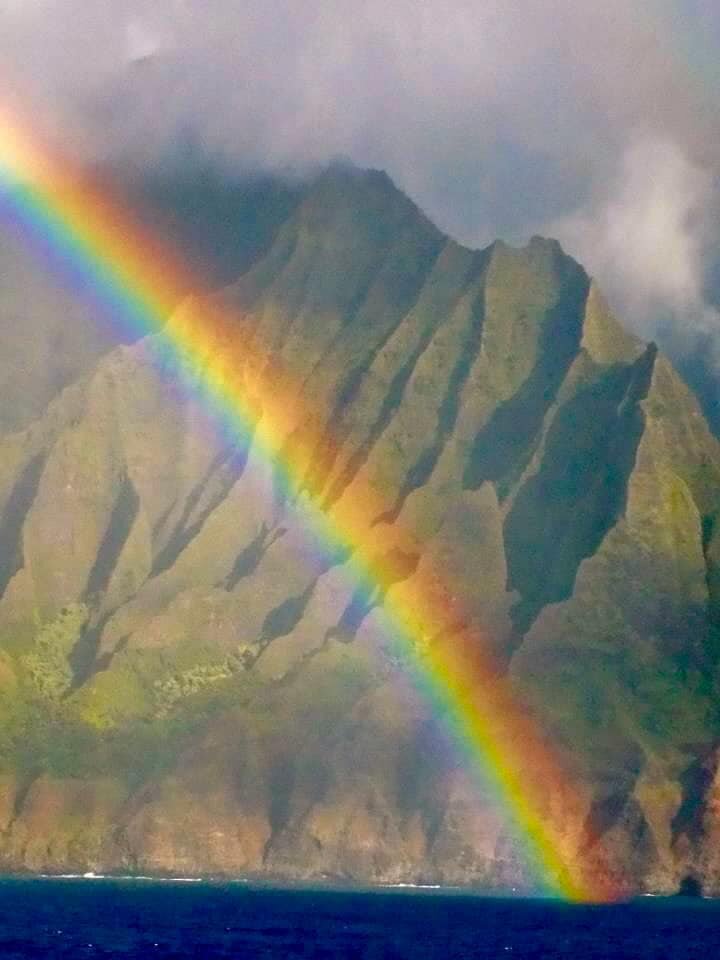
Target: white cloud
646	236
141	40
500	117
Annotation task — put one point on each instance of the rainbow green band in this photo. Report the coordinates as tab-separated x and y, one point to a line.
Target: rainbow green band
87	237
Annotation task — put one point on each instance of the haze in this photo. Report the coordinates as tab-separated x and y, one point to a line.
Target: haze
604	133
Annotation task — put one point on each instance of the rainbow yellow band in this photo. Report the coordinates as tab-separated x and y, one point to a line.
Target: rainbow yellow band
86	234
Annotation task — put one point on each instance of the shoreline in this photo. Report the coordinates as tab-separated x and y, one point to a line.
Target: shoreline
334	886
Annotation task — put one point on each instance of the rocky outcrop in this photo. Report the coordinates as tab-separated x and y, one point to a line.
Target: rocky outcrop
188	686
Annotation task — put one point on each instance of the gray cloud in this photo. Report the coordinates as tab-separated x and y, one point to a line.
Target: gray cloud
649	231
595	122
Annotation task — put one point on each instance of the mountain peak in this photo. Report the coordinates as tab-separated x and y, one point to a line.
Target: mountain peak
605	340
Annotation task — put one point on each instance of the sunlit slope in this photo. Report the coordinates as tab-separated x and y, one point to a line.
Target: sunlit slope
185	686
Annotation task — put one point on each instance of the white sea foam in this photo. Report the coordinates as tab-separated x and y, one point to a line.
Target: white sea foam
415	886
129	877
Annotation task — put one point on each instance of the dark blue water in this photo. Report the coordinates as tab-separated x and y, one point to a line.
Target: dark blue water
93	919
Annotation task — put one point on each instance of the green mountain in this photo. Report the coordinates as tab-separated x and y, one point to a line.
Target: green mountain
186	688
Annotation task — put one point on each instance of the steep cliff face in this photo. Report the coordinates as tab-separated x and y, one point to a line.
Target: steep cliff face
185	686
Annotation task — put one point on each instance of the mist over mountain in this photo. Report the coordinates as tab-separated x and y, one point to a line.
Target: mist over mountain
185	688
603	134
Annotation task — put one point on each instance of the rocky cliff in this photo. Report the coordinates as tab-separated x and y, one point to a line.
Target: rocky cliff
184	688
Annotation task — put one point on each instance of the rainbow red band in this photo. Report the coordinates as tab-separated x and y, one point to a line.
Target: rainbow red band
89	238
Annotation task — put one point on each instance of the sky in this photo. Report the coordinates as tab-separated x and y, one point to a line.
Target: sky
596	123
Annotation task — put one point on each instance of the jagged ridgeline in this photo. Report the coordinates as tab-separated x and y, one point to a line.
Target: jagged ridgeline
183	688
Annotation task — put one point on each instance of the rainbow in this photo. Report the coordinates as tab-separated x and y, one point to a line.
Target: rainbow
90	239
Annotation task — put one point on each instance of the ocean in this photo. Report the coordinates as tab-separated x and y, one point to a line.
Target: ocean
79	919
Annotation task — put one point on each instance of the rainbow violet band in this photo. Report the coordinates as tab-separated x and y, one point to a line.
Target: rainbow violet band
88	238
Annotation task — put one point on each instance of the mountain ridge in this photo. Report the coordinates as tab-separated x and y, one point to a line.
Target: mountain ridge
176	665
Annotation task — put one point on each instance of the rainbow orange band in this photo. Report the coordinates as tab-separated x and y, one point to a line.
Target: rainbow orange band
87	236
